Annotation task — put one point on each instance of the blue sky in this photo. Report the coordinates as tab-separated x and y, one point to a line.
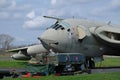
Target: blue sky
22	19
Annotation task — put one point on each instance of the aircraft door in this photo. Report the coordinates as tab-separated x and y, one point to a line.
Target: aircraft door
81	33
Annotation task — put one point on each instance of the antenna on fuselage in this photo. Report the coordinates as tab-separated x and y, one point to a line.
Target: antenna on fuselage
58	19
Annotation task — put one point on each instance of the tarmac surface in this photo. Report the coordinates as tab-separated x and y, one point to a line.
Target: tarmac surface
93	71
105	70
5	58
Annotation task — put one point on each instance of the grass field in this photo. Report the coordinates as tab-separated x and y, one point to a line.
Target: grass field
108	62
104	76
12	64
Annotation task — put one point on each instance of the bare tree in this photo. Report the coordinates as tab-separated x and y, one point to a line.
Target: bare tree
5	41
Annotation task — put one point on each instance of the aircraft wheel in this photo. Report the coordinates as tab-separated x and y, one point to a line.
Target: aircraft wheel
1	76
91	64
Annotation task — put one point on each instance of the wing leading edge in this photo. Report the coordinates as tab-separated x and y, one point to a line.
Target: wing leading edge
18	49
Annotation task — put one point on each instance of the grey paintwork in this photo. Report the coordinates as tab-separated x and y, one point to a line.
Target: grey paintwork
26	53
64	40
93	39
36	49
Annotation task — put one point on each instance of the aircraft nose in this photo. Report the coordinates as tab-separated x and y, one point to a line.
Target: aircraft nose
49	37
48	34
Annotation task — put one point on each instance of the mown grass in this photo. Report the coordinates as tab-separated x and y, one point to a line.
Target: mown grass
109	62
103	76
12	64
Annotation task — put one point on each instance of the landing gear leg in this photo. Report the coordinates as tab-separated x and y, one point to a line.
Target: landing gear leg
90	63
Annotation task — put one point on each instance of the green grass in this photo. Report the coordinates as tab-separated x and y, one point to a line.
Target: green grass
103	76
109	62
12	64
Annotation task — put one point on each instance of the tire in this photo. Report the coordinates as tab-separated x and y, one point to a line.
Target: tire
1	76
91	64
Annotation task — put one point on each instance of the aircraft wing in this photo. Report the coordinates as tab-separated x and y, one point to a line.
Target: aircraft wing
108	35
18	49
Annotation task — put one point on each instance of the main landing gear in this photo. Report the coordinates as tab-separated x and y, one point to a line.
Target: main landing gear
90	63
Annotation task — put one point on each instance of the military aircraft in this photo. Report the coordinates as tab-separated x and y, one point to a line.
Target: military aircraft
90	38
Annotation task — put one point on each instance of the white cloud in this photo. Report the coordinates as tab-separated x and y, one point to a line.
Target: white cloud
32	20
106	9
31	15
34	23
17	15
70	2
53	2
67	9
115	3
54	12
13	3
31	12
9	9
4	15
3	3
7	3
21	7
19	39
10	5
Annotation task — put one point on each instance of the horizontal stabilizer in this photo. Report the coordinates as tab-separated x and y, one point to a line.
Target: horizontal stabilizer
53	18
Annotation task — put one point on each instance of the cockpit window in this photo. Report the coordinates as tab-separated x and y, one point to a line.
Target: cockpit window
59	25
64	24
68	30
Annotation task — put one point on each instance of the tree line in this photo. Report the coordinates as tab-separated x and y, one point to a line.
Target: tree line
5	41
